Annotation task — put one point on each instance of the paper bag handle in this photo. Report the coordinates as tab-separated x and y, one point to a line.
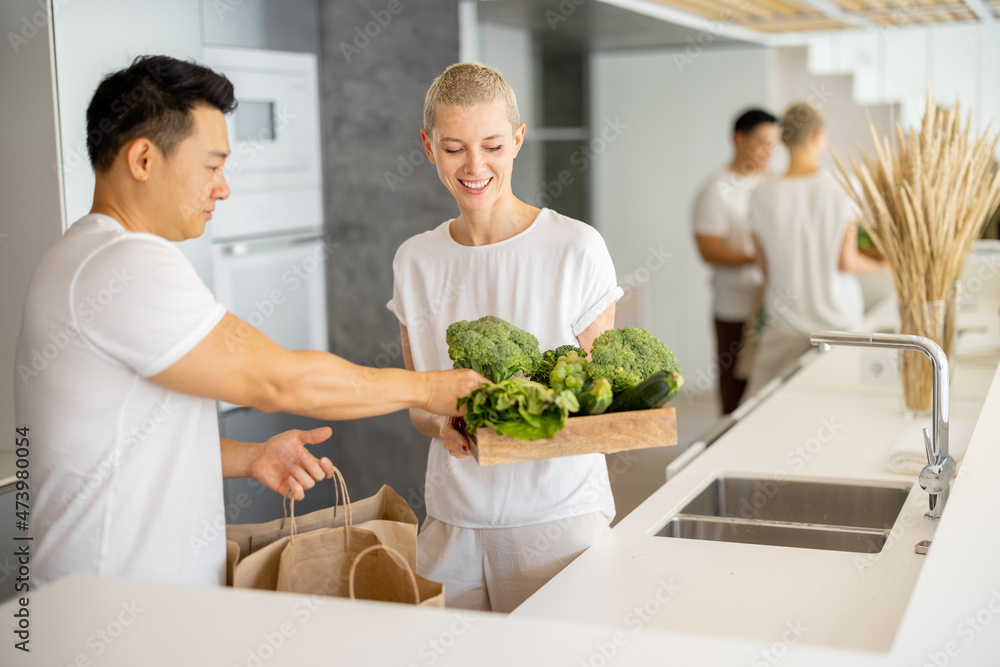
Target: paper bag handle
339	494
392	552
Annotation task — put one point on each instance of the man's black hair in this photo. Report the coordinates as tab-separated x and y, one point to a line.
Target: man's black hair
152	98
751	118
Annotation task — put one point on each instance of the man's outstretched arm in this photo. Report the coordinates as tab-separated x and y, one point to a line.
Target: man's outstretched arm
238	364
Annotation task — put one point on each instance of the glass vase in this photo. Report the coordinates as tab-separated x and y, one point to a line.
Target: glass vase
934	320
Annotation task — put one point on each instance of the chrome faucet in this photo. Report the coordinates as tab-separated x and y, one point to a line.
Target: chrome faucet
936	476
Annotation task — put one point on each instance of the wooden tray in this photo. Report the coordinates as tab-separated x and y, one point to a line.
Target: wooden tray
616	432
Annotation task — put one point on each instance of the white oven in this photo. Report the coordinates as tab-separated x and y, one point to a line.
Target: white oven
274	168
268	252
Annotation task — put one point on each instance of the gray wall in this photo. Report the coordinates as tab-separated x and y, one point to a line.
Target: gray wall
29	186
372	93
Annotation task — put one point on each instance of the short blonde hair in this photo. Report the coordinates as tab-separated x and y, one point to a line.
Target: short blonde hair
799	123
467	85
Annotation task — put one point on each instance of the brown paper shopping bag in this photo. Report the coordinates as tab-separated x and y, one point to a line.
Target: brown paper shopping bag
260	568
232	555
318	563
385	575
386	505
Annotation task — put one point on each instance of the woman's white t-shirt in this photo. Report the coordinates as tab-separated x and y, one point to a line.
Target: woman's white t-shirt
552	280
801	222
125	475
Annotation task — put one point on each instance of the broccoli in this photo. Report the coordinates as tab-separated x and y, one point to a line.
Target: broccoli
492	347
627	356
549	359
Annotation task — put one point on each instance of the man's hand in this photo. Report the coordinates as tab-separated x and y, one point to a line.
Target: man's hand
444	387
283	465
454	440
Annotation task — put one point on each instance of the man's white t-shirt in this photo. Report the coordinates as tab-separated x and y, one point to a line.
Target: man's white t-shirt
125	475
801	222
552	280
721	210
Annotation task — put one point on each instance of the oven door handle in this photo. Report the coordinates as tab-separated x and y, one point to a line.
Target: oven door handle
267	244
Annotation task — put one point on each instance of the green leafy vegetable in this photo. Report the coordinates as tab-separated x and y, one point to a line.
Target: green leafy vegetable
520	408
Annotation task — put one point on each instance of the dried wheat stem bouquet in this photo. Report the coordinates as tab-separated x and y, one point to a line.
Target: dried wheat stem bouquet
923	206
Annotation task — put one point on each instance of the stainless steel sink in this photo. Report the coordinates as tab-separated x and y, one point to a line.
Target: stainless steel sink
812	514
774	533
800	501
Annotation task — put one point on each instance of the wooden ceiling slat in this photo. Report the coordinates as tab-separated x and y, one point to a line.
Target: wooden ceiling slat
938	9
778	16
802	8
696	8
737	8
802	27
706	9
851	5
778	6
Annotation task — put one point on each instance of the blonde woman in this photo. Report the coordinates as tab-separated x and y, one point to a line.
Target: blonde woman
494	535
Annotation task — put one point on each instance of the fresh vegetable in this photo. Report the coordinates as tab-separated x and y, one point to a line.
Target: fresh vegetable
864	240
570	373
596	397
493	347
520	408
653	392
549	359
627	356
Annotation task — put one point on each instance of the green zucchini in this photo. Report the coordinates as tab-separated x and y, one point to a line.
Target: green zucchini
653	392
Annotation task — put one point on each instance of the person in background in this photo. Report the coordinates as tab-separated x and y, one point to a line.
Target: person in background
805	227
495	534
725	242
123	352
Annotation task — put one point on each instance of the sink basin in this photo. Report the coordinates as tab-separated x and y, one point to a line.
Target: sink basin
812	514
777	534
800	501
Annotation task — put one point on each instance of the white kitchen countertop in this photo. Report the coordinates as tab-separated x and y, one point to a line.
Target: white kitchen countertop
831	420
633	598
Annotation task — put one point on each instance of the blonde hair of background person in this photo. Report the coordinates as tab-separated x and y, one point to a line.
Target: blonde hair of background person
484	523
800	124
